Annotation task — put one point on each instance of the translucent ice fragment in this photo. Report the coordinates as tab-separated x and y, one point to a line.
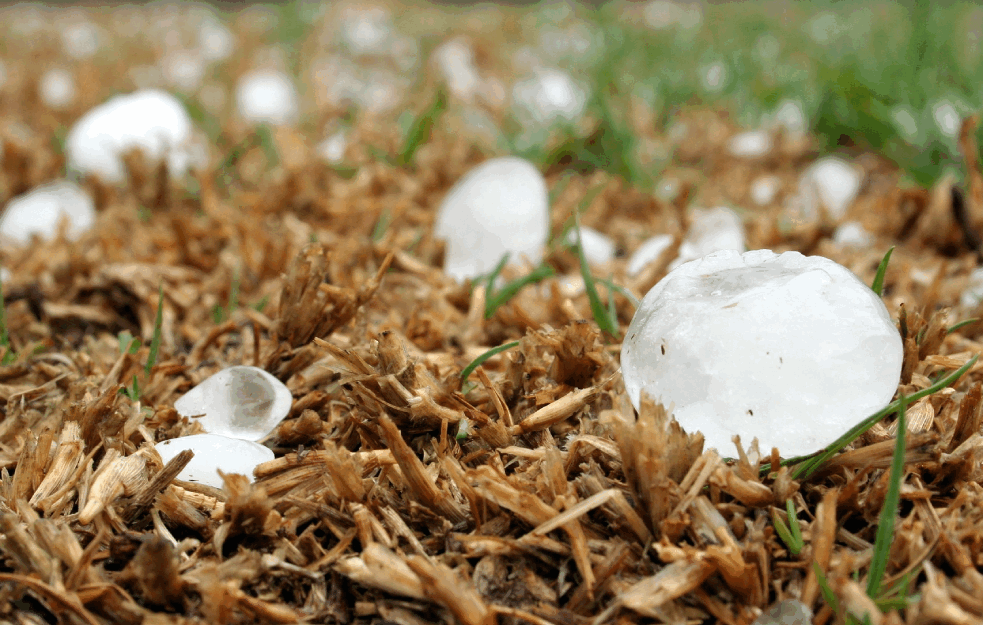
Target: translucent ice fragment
836	182
267	96
649	251
150	120
241	402
499	207
41	210
599	249
214	452
790	349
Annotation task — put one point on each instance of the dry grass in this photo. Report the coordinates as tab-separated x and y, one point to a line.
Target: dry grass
560	506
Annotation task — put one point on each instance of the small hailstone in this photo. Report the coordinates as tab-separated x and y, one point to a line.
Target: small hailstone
837	183
149	120
750	144
366	30
241	402
790	349
852	234
499	207
57	88
214	453
215	40
551	94
267	96
789	115
40	211
972	295
81	40
711	230
184	69
648	252
714	77
332	149
946	118
764	189
599	249
455	60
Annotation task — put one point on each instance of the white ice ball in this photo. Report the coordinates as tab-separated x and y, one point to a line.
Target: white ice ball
214	453
792	350
267	96
41	210
499	207
150	120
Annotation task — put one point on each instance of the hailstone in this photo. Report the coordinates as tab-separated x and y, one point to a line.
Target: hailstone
212	453
792	350
500	207
240	402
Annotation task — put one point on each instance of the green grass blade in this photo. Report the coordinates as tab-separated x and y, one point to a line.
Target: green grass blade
421	128
828	595
811	465
793	526
482	358
961	324
9	355
158	322
501	296
885	526
878	285
784	532
601	316
608	282
489	279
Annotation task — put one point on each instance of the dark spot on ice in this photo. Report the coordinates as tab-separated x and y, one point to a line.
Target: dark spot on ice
663	350
750	412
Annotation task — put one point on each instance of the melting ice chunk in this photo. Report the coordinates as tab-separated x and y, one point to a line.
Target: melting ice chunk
241	402
790	349
214	452
150	120
499	207
599	249
40	211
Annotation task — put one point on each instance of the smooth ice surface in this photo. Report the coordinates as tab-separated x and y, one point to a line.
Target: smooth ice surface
750	144
214	452
241	402
150	120
790	349
648	252
499	207
267	96
711	230
599	249
40	211
852	234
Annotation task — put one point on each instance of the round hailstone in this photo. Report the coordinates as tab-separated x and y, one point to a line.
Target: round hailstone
599	249
149	120
711	230
750	144
332	149
764	189
648	252
57	88
41	210
837	183
241	402
852	234
499	207
790	349
267	96
550	95
214	453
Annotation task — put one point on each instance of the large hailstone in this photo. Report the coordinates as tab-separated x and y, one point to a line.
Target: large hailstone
149	120
239	402
40	211
214	452
499	207
790	349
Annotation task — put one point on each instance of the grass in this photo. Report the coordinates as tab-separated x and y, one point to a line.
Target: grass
877	286
8	353
885	526
128	344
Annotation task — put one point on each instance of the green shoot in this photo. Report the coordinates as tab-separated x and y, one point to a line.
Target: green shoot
604	319
489	279
501	296
885	526
379	229
261	304
878	285
809	465
8	355
264	134
828	595
962	324
790	533
128	344
220	314
482	358
421	128
610	284
155	341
